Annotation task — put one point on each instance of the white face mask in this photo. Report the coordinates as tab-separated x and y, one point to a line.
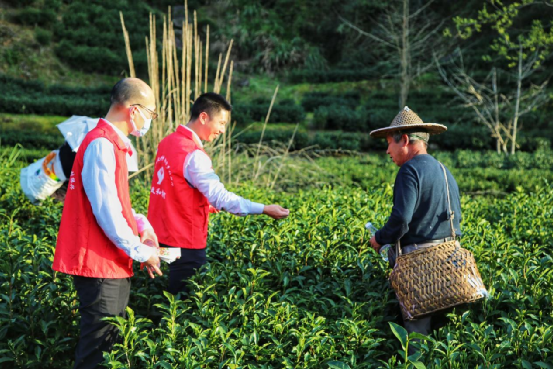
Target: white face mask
140	132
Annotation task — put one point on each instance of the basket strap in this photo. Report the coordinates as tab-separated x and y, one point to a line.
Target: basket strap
451	214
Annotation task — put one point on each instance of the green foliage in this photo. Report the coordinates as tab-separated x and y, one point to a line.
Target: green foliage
304	292
337	141
313	100
34	140
332	75
273	135
340	117
20	3
43	36
280	113
90	36
33	97
36	17
505	19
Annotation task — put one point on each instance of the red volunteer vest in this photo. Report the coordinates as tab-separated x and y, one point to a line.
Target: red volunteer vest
83	248
178	212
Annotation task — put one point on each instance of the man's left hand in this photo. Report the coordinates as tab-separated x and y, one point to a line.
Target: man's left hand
149	235
375	245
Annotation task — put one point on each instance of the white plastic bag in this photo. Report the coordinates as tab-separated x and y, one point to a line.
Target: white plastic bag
36	184
75	129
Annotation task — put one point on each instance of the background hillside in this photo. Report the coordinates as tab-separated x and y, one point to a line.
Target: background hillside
337	63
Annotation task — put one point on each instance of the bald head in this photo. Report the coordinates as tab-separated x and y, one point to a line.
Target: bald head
130	91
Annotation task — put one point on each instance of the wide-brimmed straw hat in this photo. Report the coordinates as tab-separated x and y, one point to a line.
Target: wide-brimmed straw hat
407	119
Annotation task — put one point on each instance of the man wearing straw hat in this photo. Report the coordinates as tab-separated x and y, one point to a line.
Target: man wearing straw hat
420	216
185	189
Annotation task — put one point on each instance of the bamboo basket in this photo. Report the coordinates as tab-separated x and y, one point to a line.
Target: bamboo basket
436	278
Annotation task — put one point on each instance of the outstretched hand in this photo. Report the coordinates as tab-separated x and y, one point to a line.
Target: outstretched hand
276	211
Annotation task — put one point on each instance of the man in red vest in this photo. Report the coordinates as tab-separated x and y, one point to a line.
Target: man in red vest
98	236
184	186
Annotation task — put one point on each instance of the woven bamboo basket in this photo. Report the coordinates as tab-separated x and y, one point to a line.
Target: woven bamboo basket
436	278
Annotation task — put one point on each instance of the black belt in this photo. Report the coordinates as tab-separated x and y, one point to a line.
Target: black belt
440	240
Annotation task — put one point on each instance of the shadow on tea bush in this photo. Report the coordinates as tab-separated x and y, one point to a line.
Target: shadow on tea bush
335	117
282	136
280	113
35	17
336	140
43	36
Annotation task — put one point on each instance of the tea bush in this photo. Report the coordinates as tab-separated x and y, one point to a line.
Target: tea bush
305	292
33	97
280	113
313	100
335	117
332	75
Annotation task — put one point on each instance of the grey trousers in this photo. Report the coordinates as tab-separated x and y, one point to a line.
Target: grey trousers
98	298
421	325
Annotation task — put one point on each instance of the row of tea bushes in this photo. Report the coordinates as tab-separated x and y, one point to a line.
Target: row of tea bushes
305	292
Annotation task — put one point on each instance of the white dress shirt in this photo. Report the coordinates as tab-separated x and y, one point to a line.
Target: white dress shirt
198	171
98	178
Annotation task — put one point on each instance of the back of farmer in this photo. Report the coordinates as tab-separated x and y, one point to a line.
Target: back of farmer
420	215
185	189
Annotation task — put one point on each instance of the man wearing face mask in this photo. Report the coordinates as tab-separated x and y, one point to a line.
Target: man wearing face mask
185	189
99	232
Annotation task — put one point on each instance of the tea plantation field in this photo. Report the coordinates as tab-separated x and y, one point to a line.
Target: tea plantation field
304	292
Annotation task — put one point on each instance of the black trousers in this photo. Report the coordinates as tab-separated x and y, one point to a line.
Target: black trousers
98	298
182	269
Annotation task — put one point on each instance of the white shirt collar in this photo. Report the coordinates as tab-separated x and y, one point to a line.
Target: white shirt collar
195	135
125	139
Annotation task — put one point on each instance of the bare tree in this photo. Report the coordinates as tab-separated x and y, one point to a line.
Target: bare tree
491	107
408	38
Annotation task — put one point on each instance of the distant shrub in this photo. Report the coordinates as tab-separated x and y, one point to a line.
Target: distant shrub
310	103
333	75
43	36
19	3
379	118
33	97
337	117
33	16
249	113
336	140
270	135
464	136
32	139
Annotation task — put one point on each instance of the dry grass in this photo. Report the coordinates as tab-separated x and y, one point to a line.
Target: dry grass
181	81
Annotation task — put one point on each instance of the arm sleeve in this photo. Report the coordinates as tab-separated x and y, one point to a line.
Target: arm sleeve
142	222
199	173
405	198
98	177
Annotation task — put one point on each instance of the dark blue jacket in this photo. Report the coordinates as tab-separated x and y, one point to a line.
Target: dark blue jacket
420	204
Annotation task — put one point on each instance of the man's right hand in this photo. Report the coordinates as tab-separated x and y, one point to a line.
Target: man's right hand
276	211
152	265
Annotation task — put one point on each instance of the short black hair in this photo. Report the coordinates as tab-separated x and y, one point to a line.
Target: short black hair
127	90
211	103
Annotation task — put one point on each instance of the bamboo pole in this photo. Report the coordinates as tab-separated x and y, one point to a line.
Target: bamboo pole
176	82
206	56
127	46
224	67
229	80
263	133
196	59
215	87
